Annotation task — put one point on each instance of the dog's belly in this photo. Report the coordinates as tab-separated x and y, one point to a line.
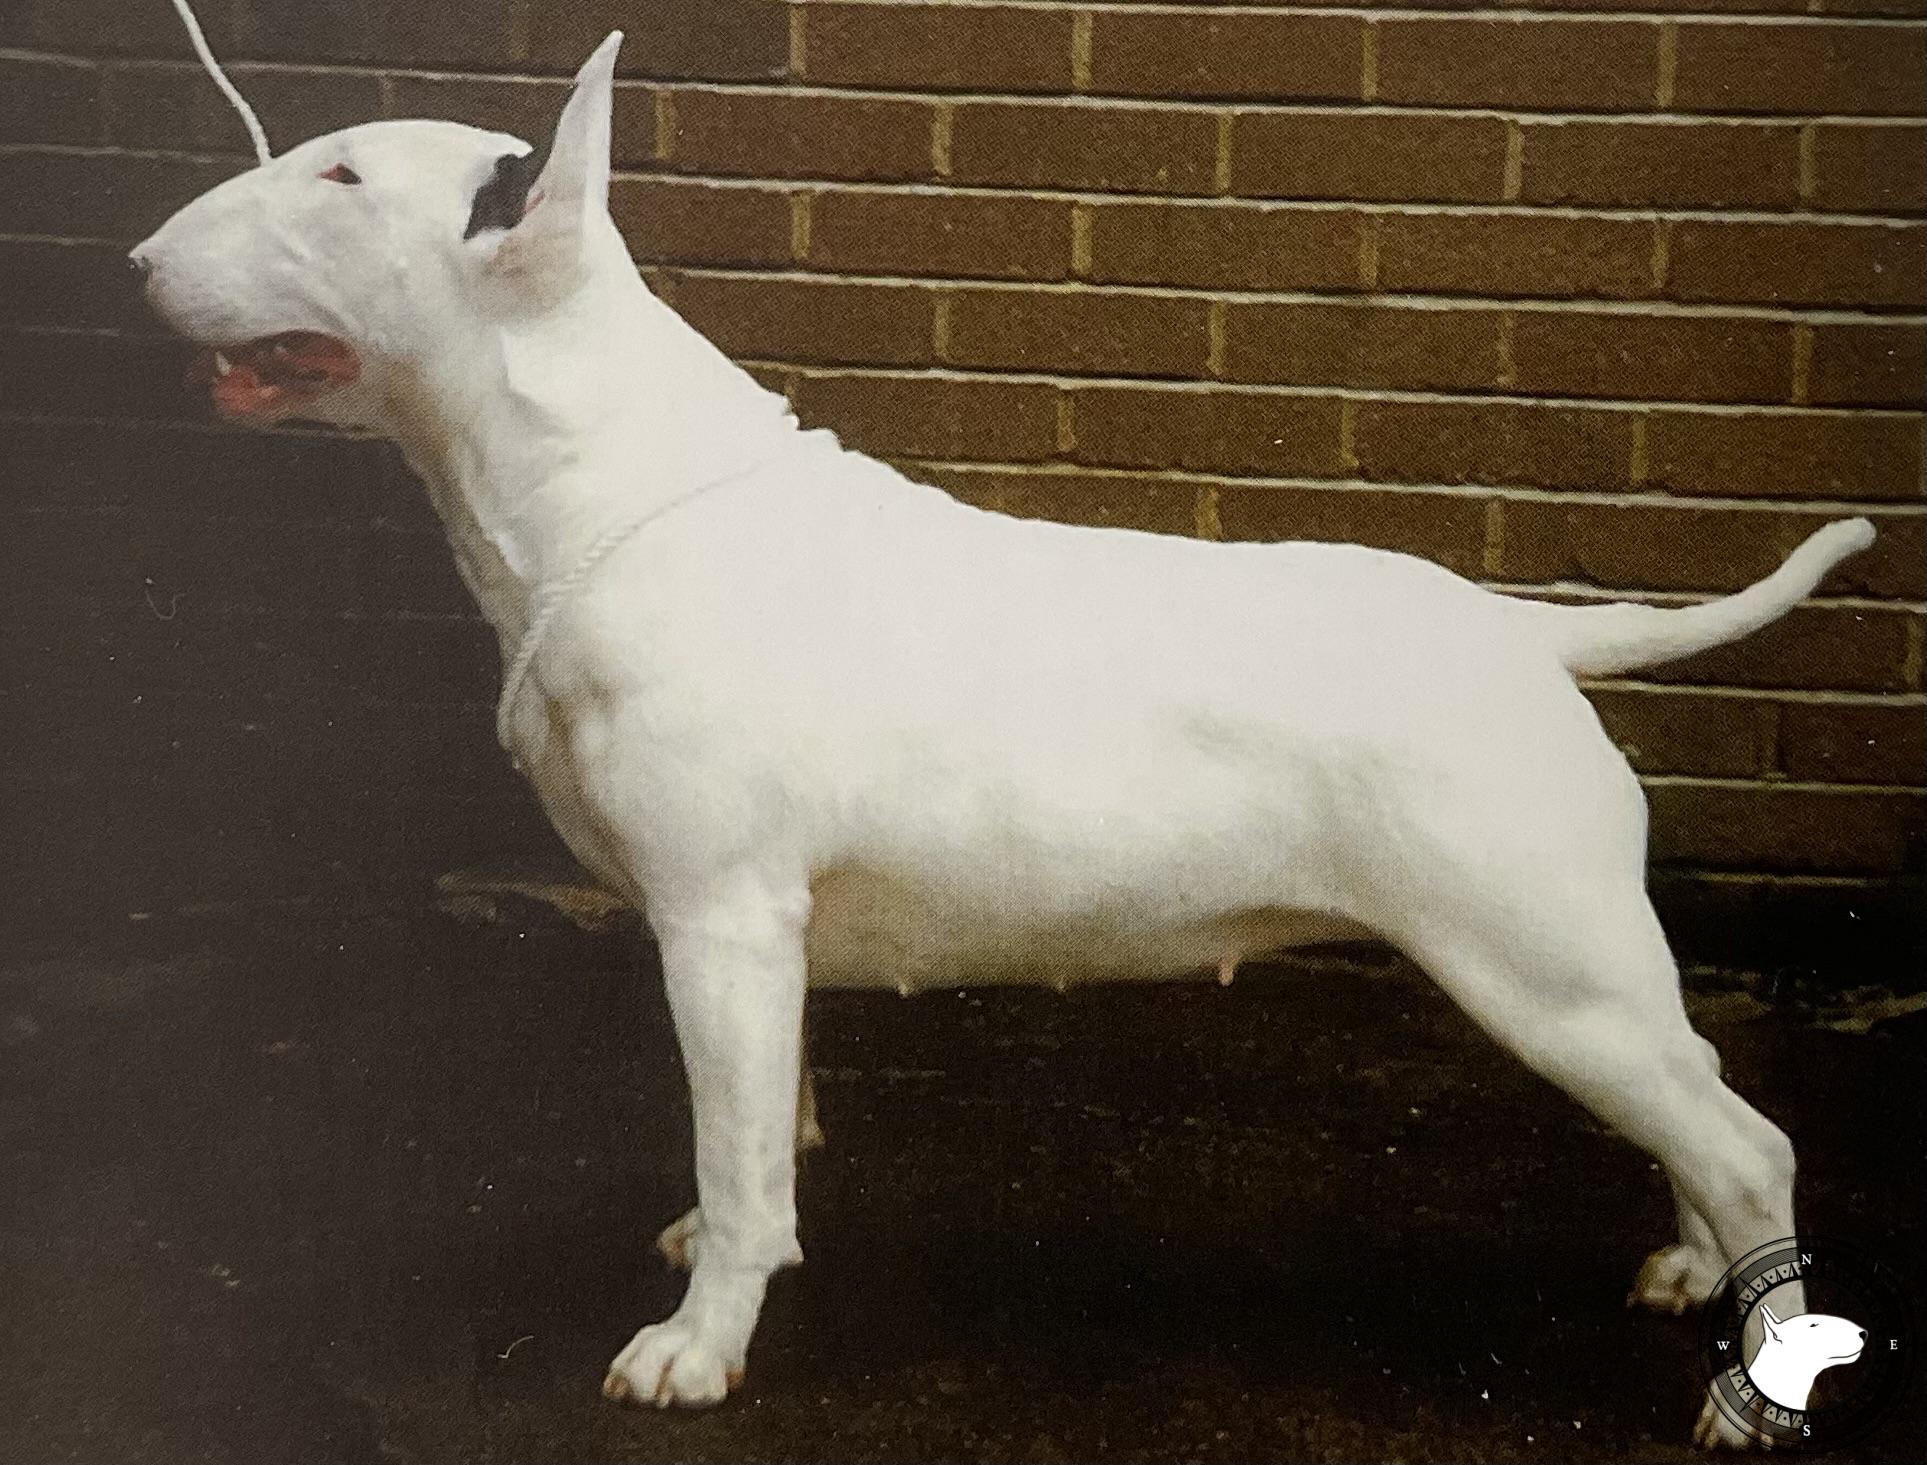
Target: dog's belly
871	930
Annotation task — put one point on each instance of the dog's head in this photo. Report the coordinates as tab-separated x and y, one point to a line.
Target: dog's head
316	282
1817	1337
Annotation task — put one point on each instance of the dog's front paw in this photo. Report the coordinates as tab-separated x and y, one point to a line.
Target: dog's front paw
680	1239
1716	1431
1675	1279
671	1363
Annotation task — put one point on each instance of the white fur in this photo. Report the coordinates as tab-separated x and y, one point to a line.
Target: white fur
816	718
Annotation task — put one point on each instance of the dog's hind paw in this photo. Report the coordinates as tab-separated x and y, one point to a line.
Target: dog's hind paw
667	1363
679	1240
1715	1431
1675	1279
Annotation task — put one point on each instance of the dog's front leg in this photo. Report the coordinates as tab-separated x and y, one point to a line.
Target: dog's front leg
735	975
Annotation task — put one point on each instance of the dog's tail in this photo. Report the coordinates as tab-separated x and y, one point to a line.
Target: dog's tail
1599	640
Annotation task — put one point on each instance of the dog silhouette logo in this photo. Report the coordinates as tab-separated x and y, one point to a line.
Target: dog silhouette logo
1793	1351
1788	1373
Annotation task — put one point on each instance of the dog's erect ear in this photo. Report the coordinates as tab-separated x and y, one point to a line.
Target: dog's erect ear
548	198
1771	1322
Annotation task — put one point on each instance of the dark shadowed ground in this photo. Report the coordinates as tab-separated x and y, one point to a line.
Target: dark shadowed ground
275	1191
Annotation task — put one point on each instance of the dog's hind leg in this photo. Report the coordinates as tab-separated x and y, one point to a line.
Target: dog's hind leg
1584	990
680	1240
733	966
1680	1277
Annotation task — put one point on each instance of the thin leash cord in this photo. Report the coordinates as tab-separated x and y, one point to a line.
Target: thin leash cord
228	89
549	599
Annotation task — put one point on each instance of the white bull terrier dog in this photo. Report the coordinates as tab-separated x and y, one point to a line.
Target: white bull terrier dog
822	724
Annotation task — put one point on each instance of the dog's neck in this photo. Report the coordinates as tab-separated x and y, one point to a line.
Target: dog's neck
537	436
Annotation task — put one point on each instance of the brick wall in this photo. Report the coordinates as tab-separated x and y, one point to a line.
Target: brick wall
1601	298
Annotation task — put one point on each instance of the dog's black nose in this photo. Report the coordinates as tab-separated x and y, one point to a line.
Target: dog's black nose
140	267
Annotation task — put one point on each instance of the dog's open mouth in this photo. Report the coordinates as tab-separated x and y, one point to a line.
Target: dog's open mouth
274	376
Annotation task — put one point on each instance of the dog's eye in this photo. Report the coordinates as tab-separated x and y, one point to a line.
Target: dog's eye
341	173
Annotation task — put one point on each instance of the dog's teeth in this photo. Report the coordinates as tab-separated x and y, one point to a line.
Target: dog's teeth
222	364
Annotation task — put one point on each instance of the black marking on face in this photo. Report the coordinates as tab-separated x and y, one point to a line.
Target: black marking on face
504	198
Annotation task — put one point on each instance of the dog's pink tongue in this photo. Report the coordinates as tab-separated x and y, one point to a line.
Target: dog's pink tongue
242	393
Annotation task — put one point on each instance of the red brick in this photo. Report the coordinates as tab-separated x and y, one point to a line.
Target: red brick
1690	547
1493	443
93	26
1276	57
1112	148
524	108
1556	64
1226	246
392	35
1861	363
1848	742
1362	346
827	321
117	196
1811	648
1623	164
716	40
696	223
1234	432
203	476
161	562
1107	333
934	47
1799	263
52	283
1869	167
1680	358
982	236
1350	155
48	100
1447	529
1809	66
1158	506
1788	455
88	375
932	417
777	136
1674	732
1515	254
1806	830
174	106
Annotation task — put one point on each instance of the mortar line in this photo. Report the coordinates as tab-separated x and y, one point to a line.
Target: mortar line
1667	78
798	57
665	139
1802	389
942	133
242	63
1349	299
1493	556
1511	492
